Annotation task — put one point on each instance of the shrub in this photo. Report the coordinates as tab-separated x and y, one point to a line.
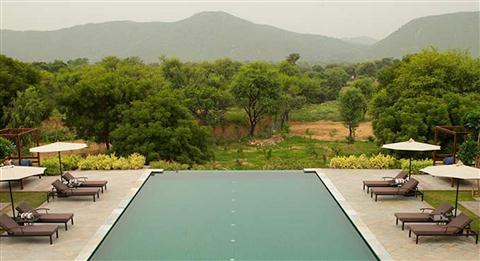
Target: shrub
108	162
6	148
168	165
468	151
53	166
417	165
379	161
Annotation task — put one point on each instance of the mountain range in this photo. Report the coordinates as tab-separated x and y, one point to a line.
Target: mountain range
211	35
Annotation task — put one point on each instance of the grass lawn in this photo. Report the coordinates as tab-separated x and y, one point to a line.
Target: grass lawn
436	197
35	199
315	112
292	153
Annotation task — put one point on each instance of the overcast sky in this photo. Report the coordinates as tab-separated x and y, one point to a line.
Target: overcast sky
332	18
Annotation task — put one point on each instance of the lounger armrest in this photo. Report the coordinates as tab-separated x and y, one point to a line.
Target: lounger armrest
423	209
46	209
390	178
84	178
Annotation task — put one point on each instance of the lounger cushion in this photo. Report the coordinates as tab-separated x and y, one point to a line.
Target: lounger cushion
55	218
42	230
81	192
414	217
371	183
93	183
429	229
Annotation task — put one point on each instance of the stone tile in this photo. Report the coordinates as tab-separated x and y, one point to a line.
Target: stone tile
89	216
379	218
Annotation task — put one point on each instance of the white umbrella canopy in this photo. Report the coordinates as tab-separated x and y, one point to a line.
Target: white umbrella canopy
59	147
411	145
456	171
13	173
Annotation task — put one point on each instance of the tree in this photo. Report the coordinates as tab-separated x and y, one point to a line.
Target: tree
335	79
6	148
207	103
15	77
423	90
352	105
28	110
94	97
293	58
366	85
291	97
161	127
256	89
367	69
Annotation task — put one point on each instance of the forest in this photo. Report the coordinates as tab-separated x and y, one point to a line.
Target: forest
175	111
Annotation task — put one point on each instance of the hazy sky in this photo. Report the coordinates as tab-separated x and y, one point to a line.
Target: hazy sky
332	18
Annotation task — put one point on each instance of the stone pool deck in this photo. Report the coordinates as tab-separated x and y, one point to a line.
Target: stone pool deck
89	216
377	216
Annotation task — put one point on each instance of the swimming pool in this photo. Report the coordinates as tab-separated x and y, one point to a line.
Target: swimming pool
234	215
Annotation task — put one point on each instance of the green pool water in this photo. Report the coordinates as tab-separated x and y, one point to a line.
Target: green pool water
234	215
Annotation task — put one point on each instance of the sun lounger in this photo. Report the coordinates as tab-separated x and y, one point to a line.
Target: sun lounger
61	190
459	226
409	188
83	182
441	214
386	182
45	217
14	230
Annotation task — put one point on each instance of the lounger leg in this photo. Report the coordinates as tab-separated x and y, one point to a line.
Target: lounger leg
105	186
72	220
51	240
416	240
56	233
396	221
101	189
93	198
403	225
376	197
66	227
410	233
98	195
363	186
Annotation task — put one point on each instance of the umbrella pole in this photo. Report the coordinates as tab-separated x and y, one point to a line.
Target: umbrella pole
410	168
456	197
11	197
60	163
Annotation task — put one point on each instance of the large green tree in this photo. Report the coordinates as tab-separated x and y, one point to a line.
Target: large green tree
335	79
256	89
161	127
28	110
423	90
352	106
15	77
94	97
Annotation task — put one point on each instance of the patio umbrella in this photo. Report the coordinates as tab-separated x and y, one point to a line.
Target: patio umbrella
456	171
15	173
59	147
411	145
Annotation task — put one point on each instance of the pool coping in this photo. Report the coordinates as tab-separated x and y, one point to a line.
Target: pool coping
365	232
97	238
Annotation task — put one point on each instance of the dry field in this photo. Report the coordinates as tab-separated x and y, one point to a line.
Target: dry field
329	130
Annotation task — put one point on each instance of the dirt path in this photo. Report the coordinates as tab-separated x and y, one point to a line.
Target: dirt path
329	130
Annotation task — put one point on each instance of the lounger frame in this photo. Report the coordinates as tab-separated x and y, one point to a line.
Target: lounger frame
13	235
468	232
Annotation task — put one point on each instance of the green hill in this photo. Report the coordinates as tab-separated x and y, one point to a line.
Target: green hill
212	35
457	30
